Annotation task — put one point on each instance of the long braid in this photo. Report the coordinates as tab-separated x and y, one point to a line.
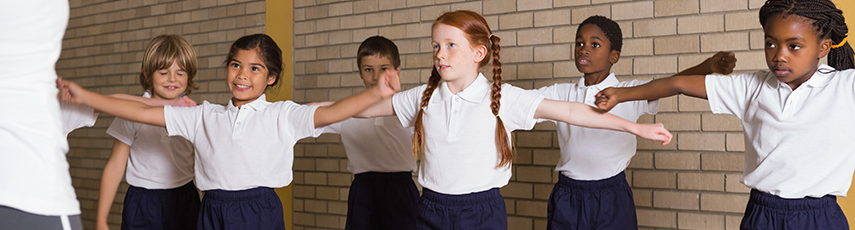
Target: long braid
419	133
828	23
503	143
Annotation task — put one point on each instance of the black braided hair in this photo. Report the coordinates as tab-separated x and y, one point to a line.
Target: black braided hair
609	27
828	23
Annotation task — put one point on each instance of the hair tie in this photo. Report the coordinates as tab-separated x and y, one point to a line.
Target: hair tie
840	44
490	37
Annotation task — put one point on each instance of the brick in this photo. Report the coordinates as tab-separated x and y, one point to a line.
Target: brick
565	70
654	179
552	18
475	6
699	221
535	71
656	218
519	223
692	104
642	160
418	30
516	21
676	200
523	5
733	203
391	4
517	190
566	34
700	181
724	42
542	191
680	121
534	174
378	19
751	60
531	208
732	222
701	141
500	6
517	54
678	44
735	142
644	144
686	61
552	53
545	157
700	24
336	207
634	10
405	16
721	122
432	12
328	24
742	21
579	14
722	162
393	32
562	3
642	197
733	184
723	5
654	27
654	65
756	40
637	47
664	8
343	8
315	206
677	160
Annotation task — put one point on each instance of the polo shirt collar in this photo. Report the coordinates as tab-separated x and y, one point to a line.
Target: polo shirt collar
473	93
610	81
258	104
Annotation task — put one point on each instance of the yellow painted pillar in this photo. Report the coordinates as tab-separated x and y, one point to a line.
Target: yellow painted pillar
279	24
848	203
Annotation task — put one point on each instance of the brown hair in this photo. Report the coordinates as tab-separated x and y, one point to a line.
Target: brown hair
268	52
378	46
161	52
478	34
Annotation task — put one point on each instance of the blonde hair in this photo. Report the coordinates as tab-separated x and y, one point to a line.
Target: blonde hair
161	52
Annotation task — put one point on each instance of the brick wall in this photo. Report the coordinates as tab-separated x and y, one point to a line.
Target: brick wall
692	183
103	48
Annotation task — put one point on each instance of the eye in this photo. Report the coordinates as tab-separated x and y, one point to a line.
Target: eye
435	47
234	65
451	45
595	45
255	68
367	70
795	47
770	45
580	44
383	69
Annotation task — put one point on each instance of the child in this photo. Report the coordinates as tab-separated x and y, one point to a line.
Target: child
245	149
382	194
159	167
467	150
592	192
796	116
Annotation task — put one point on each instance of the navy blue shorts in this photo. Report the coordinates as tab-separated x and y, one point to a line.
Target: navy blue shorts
382	201
175	208
474	211
598	204
769	212
255	208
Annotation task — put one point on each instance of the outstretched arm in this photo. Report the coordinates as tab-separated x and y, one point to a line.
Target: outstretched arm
721	62
579	114
110	180
386	86
125	109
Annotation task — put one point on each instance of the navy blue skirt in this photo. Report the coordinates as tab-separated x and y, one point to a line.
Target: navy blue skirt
598	204
474	211
175	208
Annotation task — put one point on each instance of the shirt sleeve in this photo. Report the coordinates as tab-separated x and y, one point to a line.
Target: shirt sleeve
76	116
299	120
728	94
558	92
123	130
407	103
642	106
518	107
334	127
184	121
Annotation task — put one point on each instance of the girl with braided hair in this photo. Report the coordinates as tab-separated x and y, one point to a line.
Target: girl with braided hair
799	155
463	121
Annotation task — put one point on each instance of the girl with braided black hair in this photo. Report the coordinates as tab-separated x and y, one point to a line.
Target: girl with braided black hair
463	122
799	155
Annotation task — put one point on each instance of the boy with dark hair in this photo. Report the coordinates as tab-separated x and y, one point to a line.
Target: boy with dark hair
382	194
592	191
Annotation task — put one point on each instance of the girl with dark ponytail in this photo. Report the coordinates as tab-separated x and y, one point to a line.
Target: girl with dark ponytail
799	153
463	122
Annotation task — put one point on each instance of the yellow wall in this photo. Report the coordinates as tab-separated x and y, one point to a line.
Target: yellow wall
848	203
279	25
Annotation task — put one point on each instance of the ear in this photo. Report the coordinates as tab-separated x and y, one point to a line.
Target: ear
271	79
480	53
398	70
824	47
614	56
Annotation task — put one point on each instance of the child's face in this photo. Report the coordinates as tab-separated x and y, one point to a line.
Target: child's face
453	56
593	51
793	49
372	67
169	83
247	77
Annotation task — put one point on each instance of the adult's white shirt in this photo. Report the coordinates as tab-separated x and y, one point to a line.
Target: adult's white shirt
34	173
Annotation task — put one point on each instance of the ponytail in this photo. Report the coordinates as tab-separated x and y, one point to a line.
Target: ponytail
503	142
419	133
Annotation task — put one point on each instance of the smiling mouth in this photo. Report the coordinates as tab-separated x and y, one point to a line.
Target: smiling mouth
583	61
241	87
443	67
171	87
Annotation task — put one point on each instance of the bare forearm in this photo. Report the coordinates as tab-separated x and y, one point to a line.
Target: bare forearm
125	109
111	177
345	108
579	114
692	85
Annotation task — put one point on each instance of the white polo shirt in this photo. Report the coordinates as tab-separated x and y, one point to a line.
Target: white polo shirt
378	144
594	154
460	146
76	116
34	174
156	160
798	143
243	148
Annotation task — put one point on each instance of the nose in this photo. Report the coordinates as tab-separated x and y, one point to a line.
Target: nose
440	54
171	77
780	55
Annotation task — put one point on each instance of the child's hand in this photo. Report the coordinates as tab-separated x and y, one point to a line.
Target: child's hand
183	102
607	99
69	92
388	84
656	132
722	62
